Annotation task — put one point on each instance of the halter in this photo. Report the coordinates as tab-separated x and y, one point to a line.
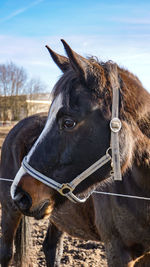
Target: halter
66	189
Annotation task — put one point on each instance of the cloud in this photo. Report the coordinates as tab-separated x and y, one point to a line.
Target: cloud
20	11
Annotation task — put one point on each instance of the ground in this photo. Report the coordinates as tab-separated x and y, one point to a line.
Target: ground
75	253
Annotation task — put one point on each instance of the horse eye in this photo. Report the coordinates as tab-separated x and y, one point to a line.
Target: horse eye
69	124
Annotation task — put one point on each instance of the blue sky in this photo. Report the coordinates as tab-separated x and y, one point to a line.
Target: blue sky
116	30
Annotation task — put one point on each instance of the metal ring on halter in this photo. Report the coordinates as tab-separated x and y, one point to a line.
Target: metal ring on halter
115	125
65	189
108	150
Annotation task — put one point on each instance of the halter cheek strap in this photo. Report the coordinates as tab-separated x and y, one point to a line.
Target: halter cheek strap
115	126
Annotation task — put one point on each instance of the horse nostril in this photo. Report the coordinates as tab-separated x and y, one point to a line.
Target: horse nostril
22	200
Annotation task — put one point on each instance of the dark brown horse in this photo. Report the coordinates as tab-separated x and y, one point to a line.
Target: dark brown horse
76	134
16	145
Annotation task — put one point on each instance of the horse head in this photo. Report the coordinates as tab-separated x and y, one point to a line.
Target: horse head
76	135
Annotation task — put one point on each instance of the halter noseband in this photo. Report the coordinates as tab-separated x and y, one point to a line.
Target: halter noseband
66	189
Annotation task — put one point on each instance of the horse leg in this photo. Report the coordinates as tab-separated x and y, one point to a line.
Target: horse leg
117	254
23	244
52	246
9	223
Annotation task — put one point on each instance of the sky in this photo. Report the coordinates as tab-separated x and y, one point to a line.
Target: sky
110	30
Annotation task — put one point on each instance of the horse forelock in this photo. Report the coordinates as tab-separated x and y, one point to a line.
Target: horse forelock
94	84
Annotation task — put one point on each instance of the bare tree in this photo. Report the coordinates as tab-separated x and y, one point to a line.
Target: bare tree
35	86
14	88
12	79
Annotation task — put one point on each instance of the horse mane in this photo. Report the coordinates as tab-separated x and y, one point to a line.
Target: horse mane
144	124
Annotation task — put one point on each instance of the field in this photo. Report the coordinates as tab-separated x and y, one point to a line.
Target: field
76	252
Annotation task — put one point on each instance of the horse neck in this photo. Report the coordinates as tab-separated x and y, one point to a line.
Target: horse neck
141	162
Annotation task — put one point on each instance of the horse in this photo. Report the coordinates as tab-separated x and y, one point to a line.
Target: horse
17	143
77	134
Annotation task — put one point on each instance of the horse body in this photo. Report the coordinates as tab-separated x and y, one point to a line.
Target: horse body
123	222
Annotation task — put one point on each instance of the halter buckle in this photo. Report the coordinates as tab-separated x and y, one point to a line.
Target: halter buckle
65	189
115	125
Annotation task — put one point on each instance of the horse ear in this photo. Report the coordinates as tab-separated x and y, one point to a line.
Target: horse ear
61	61
78	63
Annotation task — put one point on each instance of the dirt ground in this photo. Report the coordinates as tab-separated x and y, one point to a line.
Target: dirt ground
75	252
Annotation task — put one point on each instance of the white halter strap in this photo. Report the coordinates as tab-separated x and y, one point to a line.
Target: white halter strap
66	189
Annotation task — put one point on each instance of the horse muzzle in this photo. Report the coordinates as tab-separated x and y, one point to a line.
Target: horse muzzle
22	199
24	202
